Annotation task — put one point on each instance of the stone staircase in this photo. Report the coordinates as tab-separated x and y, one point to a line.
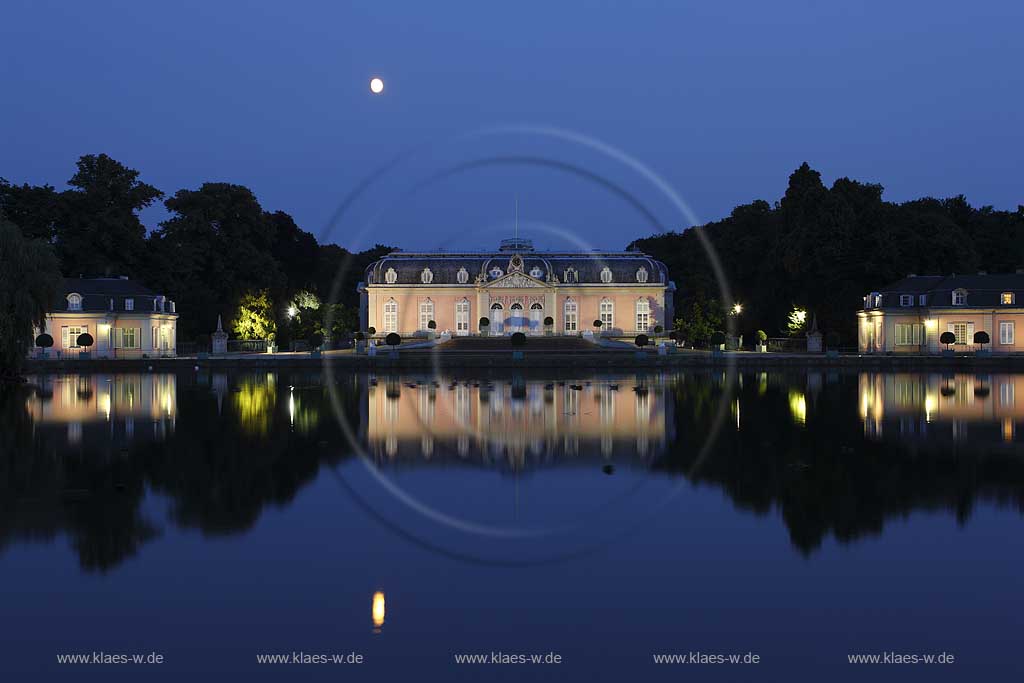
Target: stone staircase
554	344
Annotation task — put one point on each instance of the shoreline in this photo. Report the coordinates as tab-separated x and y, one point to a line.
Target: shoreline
423	358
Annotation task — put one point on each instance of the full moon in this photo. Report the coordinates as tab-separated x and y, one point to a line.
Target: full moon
376	85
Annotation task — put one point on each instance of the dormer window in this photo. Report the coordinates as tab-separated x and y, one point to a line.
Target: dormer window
906	299
462	276
606	275
427	276
572	275
641	275
1007	298
391	277
959	297
922	299
129	304
74	302
873	300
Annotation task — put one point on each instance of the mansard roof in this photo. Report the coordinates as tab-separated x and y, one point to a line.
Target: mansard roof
983	289
445	266
97	293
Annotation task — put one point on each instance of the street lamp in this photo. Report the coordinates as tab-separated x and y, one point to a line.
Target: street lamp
737	308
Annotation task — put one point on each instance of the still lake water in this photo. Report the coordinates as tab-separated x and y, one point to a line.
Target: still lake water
799	516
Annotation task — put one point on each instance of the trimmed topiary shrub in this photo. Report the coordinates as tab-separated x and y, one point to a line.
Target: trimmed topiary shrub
359	336
44	341
371	331
85	339
947	338
431	325
597	324
762	336
642	340
549	321
393	339
658	329
981	337
485	322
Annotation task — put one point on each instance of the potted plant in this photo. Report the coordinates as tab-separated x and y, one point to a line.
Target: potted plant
549	324
832	344
762	339
316	340
360	342
597	326
85	340
947	338
718	341
44	341
371	332
641	340
393	340
518	342
658	329
981	338
485	323
431	327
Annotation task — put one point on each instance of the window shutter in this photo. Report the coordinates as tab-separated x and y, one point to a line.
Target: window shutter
949	327
138	337
970	333
64	337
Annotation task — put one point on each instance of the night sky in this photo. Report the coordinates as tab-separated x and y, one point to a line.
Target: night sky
721	100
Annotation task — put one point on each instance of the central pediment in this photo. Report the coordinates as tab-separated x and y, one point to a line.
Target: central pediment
515	281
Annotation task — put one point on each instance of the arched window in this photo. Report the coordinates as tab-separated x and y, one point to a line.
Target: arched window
497	317
390	316
462	276
641	275
570	315
427	276
606	275
462	317
571	275
74	302
536	272
391	277
536	317
607	314
496	272
643	314
426	313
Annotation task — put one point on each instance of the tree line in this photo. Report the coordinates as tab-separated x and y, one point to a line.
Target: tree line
218	253
821	249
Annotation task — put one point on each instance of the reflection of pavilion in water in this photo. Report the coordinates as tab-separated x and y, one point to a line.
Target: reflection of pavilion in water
515	422
118	407
981	407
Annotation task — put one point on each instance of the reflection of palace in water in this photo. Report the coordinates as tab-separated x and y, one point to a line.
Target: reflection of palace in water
517	422
942	406
128	406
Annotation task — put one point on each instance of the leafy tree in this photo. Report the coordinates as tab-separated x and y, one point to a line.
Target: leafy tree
98	230
215	248
255	317
701	319
28	282
35	210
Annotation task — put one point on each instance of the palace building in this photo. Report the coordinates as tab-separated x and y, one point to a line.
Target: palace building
516	288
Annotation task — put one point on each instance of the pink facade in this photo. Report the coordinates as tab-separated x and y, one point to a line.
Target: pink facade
516	291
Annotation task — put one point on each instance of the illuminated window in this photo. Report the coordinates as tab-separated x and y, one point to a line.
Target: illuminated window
906	299
908	334
74	302
607	314
641	275
960	330
129	304
606	275
390	316
571	321
426	313
1005	332
1006	298
391	276
462	276
643	315
427	276
462	317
